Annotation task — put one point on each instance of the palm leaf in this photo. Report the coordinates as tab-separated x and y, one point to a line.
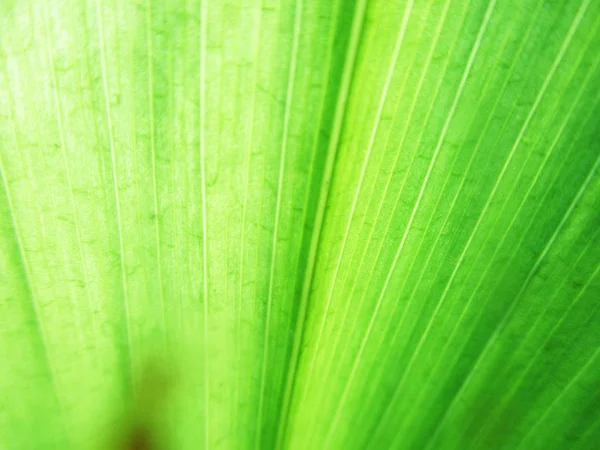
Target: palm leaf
330	224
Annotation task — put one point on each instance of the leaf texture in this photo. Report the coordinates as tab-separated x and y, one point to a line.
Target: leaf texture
358	224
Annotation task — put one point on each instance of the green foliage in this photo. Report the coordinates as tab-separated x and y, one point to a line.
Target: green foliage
319	224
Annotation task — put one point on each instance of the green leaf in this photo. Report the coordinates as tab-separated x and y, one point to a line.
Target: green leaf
304	224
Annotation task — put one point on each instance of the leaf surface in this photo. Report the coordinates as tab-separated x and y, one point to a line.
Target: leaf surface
328	224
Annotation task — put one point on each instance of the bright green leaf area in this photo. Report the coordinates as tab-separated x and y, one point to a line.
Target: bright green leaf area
330	224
